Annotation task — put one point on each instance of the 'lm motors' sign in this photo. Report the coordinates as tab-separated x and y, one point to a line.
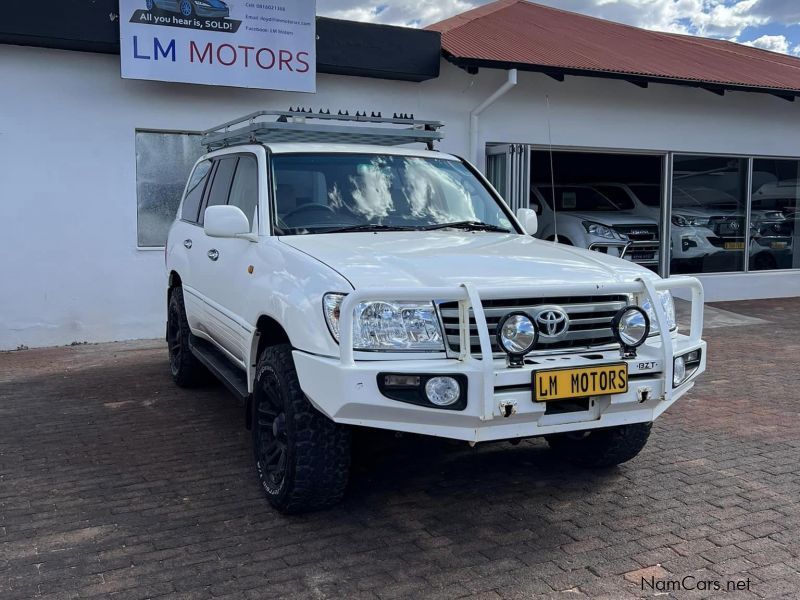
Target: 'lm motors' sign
241	43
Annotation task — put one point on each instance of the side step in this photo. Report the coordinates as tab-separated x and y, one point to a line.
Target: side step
234	378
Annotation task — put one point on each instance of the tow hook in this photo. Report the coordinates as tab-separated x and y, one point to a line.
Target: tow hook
508	408
643	393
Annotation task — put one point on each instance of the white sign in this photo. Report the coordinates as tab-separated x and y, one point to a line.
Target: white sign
241	43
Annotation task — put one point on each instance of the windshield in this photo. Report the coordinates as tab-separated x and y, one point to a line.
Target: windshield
325	193
582	199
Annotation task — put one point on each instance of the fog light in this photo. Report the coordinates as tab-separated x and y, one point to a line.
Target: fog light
631	326
678	371
442	391
516	336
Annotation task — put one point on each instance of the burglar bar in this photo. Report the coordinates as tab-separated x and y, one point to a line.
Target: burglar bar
293	126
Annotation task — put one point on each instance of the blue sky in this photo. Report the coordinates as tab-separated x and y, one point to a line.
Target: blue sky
769	24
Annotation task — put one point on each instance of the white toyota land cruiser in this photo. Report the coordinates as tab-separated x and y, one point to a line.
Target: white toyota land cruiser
332	285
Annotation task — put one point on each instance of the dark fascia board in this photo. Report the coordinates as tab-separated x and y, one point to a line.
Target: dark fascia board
471	64
343	47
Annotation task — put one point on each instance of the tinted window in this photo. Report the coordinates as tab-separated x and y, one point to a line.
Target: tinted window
244	190
221	184
194	191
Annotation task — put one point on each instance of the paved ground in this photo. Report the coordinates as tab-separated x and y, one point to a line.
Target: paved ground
113	482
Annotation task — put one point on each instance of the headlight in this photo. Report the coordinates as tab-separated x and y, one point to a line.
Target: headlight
602	231
665	297
631	326
387	325
689	221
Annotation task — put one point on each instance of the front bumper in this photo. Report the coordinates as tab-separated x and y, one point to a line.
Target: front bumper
346	390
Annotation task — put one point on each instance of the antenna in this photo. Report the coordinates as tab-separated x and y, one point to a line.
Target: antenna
552	172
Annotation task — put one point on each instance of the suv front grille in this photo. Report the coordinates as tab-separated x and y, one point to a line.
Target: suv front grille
590	321
644	248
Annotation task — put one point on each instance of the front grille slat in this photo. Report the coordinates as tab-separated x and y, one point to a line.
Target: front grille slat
590	320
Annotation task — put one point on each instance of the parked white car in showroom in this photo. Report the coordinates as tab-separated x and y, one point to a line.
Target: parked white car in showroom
586	218
332	285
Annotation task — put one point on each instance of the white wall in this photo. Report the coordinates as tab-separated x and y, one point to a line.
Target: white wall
70	270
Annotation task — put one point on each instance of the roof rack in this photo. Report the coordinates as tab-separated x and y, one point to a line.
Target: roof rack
293	126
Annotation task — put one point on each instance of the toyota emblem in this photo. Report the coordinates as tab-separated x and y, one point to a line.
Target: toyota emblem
552	322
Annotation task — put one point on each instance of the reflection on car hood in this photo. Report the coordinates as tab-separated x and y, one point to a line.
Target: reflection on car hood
444	258
622	217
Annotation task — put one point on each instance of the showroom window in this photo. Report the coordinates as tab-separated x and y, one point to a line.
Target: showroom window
774	214
163	163
709	214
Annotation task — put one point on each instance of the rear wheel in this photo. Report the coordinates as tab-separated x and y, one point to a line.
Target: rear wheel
302	457
186	7
186	369
601	448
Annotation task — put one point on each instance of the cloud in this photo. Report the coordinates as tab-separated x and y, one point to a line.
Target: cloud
774	43
727	19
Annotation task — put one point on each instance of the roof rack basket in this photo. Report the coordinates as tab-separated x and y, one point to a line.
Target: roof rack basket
293	126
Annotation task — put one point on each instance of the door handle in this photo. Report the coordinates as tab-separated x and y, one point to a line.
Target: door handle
187	244
213	254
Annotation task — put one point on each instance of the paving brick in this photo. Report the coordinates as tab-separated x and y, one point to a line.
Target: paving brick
116	484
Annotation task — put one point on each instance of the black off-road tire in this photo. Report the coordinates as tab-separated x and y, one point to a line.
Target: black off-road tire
186	370
601	448
302	457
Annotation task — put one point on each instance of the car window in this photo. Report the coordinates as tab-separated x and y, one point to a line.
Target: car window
577	199
221	183
194	192
244	189
319	193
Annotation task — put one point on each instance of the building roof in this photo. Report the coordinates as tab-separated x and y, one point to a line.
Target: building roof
519	34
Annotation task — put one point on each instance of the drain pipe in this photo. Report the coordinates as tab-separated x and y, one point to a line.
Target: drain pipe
475	113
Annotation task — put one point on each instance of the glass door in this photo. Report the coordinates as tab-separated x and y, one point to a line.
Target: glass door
508	168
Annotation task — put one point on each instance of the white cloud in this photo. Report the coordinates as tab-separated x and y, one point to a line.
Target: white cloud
726	19
774	43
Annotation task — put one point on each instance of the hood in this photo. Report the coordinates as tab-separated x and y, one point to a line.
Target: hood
444	258
611	218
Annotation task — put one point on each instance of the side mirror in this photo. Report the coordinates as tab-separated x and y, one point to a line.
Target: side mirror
225	222
528	220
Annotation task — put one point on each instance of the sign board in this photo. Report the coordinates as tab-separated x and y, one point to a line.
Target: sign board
243	43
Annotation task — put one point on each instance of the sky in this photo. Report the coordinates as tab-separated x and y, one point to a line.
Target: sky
769	24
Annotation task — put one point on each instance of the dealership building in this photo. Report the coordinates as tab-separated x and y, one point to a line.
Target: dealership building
685	148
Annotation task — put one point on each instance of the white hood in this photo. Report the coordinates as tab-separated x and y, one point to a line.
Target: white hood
444	258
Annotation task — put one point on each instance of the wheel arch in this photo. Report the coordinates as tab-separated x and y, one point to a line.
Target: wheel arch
268	332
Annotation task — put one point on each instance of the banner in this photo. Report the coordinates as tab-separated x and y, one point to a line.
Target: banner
240	43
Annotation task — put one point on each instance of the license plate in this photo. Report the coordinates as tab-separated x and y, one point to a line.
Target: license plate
734	245
563	384
779	245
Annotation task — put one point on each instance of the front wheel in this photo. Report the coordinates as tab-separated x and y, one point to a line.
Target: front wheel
186	7
302	457
601	448
185	368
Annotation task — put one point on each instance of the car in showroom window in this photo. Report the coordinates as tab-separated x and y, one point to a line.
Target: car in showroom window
332	286
579	215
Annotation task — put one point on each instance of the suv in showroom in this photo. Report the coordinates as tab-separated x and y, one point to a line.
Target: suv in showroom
331	284
581	216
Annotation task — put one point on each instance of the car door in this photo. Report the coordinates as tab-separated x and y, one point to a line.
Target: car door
221	265
184	233
236	256
205	264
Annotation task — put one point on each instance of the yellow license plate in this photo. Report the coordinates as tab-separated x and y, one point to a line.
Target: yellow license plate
562	384
734	245
779	245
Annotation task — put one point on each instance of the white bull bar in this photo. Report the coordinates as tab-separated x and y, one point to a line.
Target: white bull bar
469	296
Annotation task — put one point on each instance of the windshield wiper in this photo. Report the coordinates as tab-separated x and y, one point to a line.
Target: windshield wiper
369	227
467	226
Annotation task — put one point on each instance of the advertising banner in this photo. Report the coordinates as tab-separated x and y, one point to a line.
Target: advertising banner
241	43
